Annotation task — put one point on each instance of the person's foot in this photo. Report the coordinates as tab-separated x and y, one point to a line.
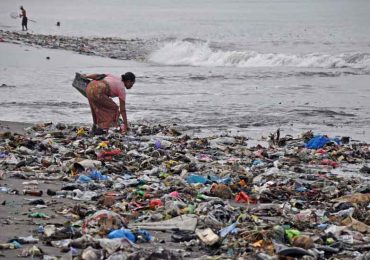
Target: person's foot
97	130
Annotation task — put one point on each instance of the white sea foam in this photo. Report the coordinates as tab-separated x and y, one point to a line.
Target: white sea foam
201	54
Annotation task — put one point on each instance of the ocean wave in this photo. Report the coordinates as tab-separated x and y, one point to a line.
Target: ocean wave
192	53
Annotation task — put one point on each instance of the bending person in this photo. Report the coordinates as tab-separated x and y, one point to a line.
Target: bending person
100	92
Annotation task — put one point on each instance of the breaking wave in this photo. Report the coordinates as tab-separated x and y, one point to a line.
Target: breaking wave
201	54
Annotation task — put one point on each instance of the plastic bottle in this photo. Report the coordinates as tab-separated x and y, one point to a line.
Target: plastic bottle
37	193
4	190
193	179
157	145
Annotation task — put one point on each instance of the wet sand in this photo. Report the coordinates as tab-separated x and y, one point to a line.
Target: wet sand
14	209
14	219
13	127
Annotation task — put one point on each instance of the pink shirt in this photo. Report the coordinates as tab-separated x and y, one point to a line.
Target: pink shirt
117	88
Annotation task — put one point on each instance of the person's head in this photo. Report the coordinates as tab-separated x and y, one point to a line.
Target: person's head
128	79
21	7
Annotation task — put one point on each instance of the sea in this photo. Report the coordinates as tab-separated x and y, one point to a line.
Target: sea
245	67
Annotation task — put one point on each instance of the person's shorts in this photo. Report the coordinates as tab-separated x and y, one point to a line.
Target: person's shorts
24	21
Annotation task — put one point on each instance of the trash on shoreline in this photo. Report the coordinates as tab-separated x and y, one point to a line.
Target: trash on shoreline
133	195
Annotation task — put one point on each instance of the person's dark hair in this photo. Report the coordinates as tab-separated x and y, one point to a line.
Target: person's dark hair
128	76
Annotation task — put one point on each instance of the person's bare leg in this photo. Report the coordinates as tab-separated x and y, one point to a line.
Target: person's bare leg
95	126
93	114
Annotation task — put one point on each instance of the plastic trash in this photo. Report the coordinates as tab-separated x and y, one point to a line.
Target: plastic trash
102	221
195	179
84	179
183	222
143	235
207	236
13	245
155	203
25	240
242	197
157	144
4	190
290	233
320	141
97	176
229	229
122	233
108	155
38	215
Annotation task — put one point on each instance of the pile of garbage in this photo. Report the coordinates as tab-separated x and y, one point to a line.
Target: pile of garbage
115	48
157	193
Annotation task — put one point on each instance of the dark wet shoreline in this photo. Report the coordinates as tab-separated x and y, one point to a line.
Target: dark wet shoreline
114	48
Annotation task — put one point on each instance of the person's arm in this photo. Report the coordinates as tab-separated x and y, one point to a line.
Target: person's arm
122	109
95	76
91	76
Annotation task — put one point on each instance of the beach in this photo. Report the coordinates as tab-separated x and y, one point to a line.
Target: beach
227	100
14	127
255	110
64	190
214	71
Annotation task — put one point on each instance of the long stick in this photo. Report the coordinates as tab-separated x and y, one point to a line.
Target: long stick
14	15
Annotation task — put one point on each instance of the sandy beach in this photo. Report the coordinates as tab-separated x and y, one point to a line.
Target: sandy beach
13	127
249	132
51	163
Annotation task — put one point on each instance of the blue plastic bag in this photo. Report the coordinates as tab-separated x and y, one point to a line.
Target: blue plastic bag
226	180
229	229
144	235
84	179
193	179
319	141
97	176
158	145
122	233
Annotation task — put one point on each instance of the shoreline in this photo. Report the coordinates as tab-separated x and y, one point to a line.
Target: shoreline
114	48
13	127
252	129
243	143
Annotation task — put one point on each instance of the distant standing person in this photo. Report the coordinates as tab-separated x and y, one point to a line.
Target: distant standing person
24	19
104	110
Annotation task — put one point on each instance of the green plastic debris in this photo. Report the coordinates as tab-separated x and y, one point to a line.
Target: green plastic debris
290	233
38	215
330	241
